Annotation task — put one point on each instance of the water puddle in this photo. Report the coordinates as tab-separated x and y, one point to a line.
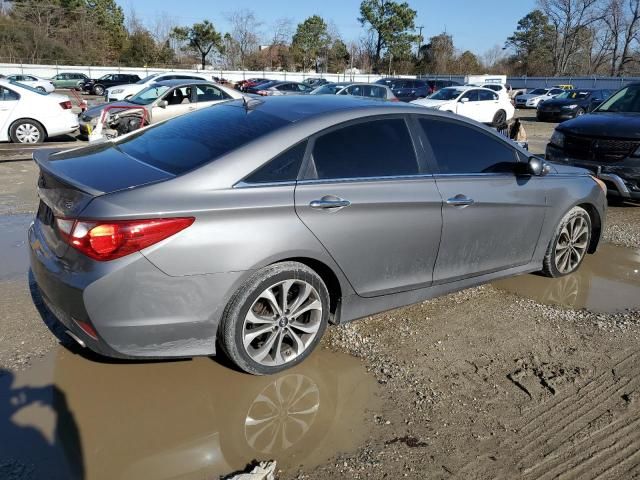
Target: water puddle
71	417
607	282
14	255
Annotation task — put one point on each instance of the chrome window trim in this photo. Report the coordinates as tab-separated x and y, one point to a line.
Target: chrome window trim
488	174
365	179
286	183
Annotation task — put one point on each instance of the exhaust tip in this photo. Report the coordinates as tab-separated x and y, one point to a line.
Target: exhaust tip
76	338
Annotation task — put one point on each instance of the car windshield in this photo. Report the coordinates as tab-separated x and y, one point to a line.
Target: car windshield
189	141
328	89
146	79
574	95
148	95
446	94
105	77
539	91
626	100
27	87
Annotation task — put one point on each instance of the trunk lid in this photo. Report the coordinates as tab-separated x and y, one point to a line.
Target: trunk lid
71	179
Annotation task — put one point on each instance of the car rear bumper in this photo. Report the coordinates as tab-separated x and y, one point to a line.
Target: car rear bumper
136	310
622	178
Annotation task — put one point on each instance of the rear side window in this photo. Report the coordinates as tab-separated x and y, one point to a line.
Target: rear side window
189	141
462	149
485	96
283	168
379	148
7	95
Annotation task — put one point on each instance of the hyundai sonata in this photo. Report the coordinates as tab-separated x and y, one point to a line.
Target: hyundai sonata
252	225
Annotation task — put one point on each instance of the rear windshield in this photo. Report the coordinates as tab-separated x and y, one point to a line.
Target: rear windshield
191	140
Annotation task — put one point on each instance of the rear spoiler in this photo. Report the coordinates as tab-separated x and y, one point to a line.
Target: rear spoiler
41	158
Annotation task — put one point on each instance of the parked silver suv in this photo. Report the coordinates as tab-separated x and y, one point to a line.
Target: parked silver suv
253	224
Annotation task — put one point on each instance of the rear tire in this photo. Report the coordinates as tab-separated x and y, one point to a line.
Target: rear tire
41	89
569	244
27	132
499	119
275	319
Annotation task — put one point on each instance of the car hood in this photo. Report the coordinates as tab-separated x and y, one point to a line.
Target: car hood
562	102
427	102
128	87
563	169
95	112
602	124
528	96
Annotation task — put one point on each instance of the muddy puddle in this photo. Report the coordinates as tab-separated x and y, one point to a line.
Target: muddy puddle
14	256
607	282
71	417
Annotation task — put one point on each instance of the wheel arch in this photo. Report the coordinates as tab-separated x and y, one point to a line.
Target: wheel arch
328	276
46	133
596	225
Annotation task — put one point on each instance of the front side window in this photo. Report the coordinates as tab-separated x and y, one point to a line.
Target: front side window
148	95
462	149
283	168
472	95
377	148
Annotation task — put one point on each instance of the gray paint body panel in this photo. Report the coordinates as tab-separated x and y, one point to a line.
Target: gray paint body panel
383	249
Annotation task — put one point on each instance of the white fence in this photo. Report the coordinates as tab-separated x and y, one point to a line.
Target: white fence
48	71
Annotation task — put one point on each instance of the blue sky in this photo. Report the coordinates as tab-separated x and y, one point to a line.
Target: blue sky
475	26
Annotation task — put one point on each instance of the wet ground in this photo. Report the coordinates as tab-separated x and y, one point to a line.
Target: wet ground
525	378
70	416
607	282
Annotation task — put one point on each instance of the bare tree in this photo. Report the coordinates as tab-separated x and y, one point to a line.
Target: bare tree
244	34
570	19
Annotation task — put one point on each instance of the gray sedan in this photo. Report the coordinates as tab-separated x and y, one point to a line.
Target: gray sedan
253	225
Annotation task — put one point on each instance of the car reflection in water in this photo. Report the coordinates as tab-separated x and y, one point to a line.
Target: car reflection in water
188	419
607	282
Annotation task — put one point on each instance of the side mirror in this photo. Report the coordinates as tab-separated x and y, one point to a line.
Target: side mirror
538	167
163	104
464	100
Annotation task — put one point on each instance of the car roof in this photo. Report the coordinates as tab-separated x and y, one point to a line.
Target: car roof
294	108
178	83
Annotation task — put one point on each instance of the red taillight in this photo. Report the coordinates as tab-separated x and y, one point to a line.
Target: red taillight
103	240
264	93
86	328
394	99
66	105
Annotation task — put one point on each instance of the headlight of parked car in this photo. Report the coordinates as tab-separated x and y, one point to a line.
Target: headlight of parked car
117	90
557	139
569	107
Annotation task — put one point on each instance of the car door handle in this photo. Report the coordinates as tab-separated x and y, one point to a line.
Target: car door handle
460	201
329	203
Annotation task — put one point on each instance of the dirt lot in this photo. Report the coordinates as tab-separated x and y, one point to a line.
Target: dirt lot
526	378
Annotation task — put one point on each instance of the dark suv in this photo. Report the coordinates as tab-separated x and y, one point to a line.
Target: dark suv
98	86
606	141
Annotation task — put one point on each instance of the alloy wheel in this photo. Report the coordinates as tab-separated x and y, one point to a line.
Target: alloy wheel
27	133
282	322
572	244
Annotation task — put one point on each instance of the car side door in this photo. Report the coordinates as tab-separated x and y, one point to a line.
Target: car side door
492	216
368	196
488	105
469	105
178	102
8	102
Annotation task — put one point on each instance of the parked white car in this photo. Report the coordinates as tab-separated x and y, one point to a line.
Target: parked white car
122	92
45	86
533	98
480	104
28	115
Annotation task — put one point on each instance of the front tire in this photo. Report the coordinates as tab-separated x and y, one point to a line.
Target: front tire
275	319
98	90
569	244
27	131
